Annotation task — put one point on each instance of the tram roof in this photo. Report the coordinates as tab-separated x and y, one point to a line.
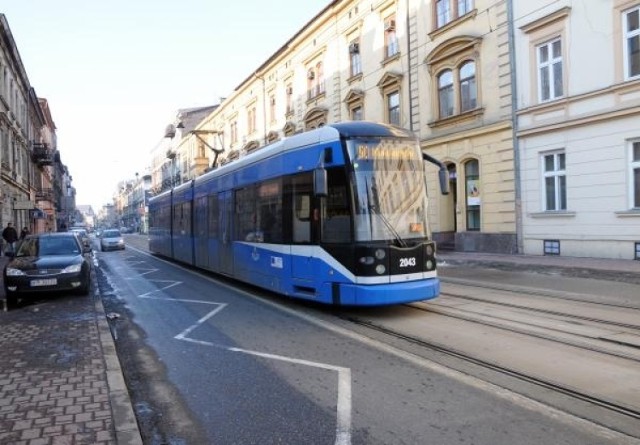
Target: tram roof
327	133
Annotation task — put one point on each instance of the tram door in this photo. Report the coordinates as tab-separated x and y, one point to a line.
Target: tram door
225	201
303	224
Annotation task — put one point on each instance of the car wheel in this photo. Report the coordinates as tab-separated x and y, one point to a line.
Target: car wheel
86	286
12	299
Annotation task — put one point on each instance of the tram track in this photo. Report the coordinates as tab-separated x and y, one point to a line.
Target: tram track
530	332
550	312
537	292
610	405
579	355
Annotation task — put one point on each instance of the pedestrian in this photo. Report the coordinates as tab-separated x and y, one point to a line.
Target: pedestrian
24	233
10	237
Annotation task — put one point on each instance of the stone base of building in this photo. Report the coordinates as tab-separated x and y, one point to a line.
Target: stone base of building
504	243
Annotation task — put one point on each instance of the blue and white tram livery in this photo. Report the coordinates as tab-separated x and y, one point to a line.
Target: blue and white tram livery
336	215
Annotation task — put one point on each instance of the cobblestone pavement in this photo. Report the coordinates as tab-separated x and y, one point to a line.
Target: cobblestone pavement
60	380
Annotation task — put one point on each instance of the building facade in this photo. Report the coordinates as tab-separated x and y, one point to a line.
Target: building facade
17	108
34	184
543	151
578	127
440	69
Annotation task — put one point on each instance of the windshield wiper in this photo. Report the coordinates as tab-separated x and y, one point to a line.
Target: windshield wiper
374	209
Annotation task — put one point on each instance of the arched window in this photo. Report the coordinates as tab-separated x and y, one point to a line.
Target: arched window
468	89
445	93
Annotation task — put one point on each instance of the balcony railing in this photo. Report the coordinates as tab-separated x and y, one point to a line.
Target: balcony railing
41	154
45	194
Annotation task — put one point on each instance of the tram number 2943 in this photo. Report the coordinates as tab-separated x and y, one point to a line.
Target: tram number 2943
407	262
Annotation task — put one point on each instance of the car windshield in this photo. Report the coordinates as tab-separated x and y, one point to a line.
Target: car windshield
43	246
111	234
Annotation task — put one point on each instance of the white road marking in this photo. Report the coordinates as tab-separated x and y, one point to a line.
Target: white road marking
183	334
343	425
169	286
343	405
503	393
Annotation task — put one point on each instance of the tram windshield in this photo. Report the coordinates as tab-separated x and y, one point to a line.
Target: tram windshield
390	190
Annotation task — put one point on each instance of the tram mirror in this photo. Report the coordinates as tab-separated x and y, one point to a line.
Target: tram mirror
320	181
443	176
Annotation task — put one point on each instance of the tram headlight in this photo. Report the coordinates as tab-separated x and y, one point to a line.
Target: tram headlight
429	249
380	254
380	269
367	260
429	265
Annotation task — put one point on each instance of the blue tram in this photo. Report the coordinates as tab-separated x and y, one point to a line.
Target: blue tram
336	215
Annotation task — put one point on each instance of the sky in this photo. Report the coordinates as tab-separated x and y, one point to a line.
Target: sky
116	72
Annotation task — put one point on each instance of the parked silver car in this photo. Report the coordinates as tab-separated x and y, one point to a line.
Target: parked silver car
111	239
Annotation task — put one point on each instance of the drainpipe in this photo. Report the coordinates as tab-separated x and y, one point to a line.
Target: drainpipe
409	77
514	125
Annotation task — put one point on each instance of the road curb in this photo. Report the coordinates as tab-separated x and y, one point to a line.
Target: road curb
124	419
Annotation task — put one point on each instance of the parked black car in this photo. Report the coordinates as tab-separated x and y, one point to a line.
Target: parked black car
47	262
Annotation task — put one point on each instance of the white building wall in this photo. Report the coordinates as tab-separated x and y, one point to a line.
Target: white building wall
592	123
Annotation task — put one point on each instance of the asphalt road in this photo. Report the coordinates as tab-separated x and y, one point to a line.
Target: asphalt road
209	361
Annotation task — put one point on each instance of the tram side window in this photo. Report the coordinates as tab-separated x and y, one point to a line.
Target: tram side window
269	203
246	227
213	216
182	219
336	226
200	223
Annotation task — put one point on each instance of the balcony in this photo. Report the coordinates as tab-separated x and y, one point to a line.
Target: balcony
41	155
45	194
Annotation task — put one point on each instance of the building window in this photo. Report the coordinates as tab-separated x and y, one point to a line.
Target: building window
550	70
355	59
320	81
251	120
356	113
635	175
450	10
551	247
445	93
472	192
355	105
289	98
468	91
555	181
272	108
631	50
443	12
315	81
390	37
464	7
234	132
393	108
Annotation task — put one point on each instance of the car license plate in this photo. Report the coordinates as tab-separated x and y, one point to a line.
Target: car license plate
44	282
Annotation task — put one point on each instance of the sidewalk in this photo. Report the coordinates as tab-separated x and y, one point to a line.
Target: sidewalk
627	271
60	378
